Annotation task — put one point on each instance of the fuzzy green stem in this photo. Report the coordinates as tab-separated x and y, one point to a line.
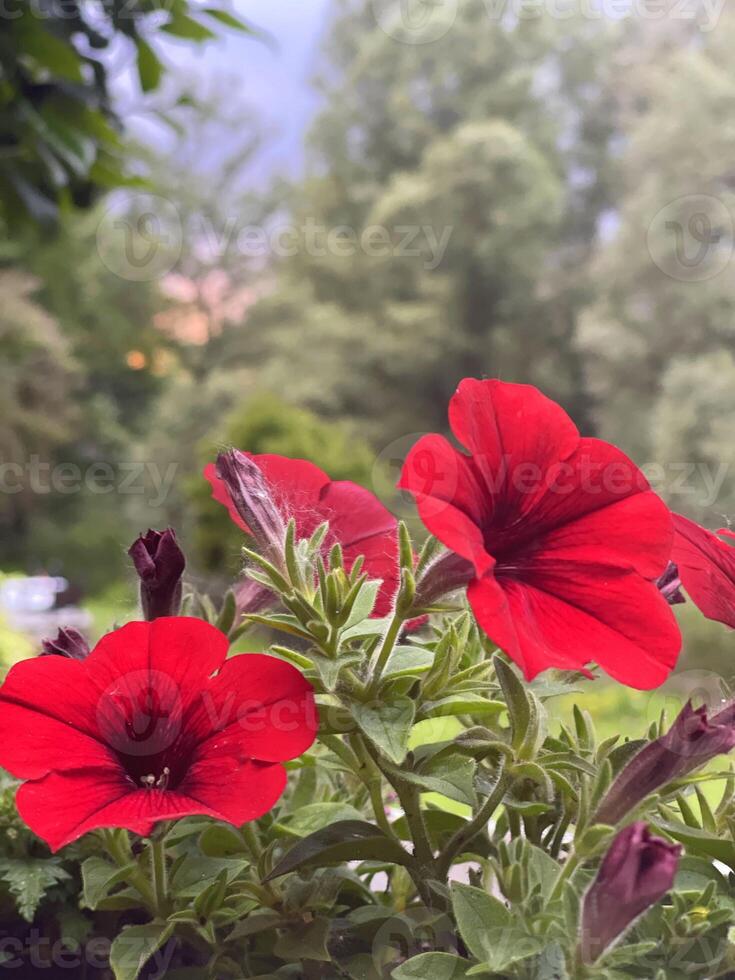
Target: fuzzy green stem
372	777
159	874
252	843
570	866
386	648
465	835
423	867
118	847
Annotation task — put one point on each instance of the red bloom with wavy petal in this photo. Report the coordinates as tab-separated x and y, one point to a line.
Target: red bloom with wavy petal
155	724
564	533
706	566
357	519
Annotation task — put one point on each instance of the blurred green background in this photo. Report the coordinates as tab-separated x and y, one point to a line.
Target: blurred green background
541	192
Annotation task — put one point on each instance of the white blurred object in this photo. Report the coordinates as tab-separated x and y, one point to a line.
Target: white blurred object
28	605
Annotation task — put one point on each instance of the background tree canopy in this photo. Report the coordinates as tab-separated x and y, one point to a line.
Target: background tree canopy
540	199
61	137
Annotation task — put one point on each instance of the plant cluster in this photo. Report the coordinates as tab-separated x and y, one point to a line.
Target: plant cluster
386	792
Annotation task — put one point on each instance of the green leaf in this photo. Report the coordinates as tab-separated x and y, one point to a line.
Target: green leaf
491	932
406	661
307	941
388	725
700	842
369	627
451	775
229	20
150	69
363	604
222	840
135	945
28	880
551	964
346	840
463	704
517	699
60	57
258	921
197	873
432	966
308	819
99	877
181	25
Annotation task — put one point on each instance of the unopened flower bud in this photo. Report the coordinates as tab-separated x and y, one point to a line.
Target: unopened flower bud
637	871
444	575
692	741
252	499
68	642
669	585
160	564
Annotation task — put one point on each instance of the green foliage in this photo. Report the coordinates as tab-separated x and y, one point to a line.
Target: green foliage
61	136
459	234
28	881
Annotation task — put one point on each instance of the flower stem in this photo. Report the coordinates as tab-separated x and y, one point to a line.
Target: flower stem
462	837
252	843
423	867
159	874
389	641
372	777
570	866
118	847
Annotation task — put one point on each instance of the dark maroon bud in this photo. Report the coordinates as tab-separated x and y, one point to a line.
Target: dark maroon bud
691	742
252	597
669	585
637	871
68	642
160	564
446	574
251	496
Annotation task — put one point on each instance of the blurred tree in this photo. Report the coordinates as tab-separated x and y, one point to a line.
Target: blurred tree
59	131
453	202
658	340
36	407
83	370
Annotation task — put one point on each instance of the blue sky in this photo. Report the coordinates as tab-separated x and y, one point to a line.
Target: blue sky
275	81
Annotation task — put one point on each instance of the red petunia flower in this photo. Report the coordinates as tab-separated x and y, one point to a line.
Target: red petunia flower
564	534
153	725
357	519
706	567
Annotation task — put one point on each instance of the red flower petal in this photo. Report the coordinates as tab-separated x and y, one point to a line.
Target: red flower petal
86	800
564	533
354	513
706	568
33	743
558	616
507	425
49	718
234	791
450	497
176	653
258	707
